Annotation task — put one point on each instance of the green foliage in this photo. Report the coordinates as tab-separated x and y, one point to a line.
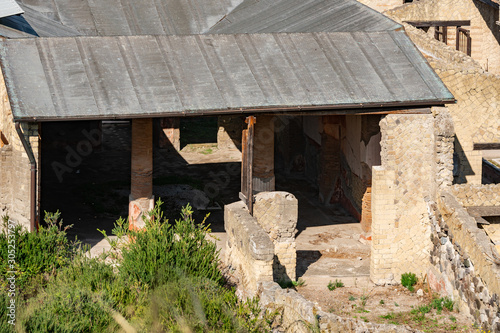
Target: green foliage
334	285
37	254
165	279
443	302
381	302
285	284
352	298
160	249
408	280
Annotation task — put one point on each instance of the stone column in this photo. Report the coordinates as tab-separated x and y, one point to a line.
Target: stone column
263	155
170	133
141	191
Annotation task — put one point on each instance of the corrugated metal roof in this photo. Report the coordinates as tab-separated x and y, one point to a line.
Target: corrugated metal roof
9	8
132	17
141	76
258	16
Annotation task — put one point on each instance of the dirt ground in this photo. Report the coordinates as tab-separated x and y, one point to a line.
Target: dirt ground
329	249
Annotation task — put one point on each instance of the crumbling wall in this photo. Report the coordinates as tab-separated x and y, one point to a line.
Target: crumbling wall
483	29
476	114
249	250
15	179
465	264
276	213
296	314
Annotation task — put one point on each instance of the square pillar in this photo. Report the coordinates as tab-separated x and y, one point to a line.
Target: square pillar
141	190
169	133
263	155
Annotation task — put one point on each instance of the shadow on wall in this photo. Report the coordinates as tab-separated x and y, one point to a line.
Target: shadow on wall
461	165
229	131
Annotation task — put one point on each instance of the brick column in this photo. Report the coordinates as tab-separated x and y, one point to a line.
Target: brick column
141	191
170	133
263	155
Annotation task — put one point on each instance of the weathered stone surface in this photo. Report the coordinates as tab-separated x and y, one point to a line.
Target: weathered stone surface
298	314
249	250
463	267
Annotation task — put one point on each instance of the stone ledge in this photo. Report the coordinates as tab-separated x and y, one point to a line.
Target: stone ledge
243	229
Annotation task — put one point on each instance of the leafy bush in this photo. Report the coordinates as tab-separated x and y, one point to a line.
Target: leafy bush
443	302
408	280
36	252
161	249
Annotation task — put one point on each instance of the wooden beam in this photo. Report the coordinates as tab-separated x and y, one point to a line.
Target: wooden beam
487	146
427	24
479	211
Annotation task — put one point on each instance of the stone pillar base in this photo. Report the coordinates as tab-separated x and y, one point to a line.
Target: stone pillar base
264	184
137	208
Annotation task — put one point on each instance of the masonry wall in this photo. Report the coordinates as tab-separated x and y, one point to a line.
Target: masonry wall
15	177
476	115
484	31
465	264
382	5
249	250
401	227
277	213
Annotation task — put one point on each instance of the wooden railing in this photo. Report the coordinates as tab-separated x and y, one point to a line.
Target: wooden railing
464	41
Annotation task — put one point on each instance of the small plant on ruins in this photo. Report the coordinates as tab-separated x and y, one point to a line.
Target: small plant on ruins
334	285
443	302
381	302
287	283
408	280
299	283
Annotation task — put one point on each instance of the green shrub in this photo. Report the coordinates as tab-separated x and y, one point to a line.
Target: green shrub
36	253
159	249
408	280
443	302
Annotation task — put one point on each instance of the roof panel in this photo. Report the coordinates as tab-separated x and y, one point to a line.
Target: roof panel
139	76
9	8
132	17
268	16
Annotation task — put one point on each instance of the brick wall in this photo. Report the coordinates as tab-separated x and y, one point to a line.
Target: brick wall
400	224
484	31
15	166
476	115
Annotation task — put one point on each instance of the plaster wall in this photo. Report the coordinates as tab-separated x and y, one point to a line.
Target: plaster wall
15	177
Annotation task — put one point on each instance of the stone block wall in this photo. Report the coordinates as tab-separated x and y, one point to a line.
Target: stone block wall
465	264
476	115
400	224
484	31
249	250
476	195
277	213
15	177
